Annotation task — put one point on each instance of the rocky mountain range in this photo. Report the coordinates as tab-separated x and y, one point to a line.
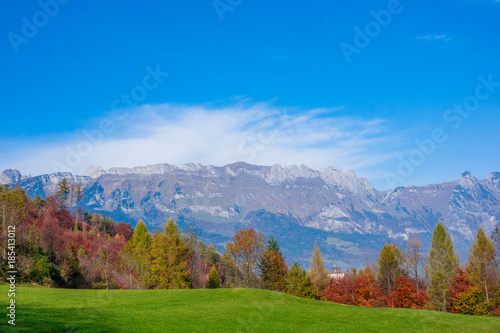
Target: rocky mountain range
348	218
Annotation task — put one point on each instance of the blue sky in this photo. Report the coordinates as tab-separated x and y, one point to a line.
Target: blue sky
258	81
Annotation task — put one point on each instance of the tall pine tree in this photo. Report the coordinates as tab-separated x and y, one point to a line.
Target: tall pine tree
317	271
481	264
169	254
443	262
390	264
299	284
136	254
273	269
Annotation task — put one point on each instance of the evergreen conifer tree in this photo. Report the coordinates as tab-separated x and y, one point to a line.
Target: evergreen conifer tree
443	262
317	271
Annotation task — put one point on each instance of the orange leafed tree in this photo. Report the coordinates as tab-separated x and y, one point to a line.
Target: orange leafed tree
459	284
245	250
356	289
406	295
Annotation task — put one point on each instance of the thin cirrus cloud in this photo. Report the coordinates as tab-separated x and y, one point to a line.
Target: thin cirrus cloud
176	134
445	38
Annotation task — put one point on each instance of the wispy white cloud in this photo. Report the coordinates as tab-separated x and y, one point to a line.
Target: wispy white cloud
255	133
445	38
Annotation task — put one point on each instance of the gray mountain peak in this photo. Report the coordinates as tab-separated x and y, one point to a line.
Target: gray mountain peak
348	180
467	179
10	176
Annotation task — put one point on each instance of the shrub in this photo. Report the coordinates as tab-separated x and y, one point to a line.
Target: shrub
472	302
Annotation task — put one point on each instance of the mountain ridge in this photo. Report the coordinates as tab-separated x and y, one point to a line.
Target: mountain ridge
333	207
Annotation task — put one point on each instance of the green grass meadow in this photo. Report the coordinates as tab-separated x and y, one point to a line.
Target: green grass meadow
221	310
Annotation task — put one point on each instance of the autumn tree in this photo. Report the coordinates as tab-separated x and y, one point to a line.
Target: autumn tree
472	302
317	271
102	223
343	290
104	257
13	209
443	262
272	266
368	292
211	256
495	237
481	264
245	251
390	267
458	285
406	295
415	262
196	263
356	289
169	259
230	274
124	230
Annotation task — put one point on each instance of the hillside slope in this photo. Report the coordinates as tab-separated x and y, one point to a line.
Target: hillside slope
221	310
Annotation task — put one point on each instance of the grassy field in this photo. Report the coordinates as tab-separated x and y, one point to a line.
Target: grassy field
222	310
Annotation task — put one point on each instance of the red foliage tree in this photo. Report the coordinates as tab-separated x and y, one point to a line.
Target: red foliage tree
459	284
123	229
368	291
406	295
356	289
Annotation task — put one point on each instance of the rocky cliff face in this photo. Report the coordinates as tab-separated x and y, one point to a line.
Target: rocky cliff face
349	219
46	185
10	176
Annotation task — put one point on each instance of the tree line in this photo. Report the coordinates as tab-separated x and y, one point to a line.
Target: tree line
59	245
410	279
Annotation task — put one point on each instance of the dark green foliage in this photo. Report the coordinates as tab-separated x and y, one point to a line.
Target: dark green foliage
63	188
40	271
211	256
272	245
390	265
101	223
272	267
230	273
299	284
39	203
213	279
